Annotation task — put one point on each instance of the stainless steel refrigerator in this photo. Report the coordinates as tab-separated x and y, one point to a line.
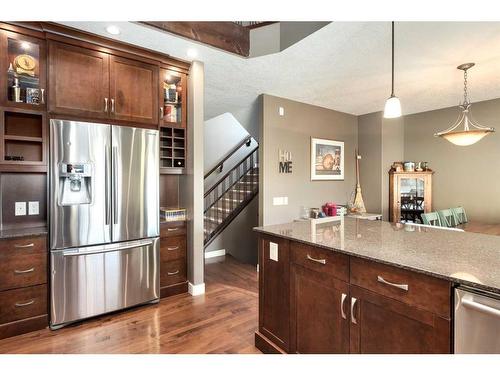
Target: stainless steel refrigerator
104	219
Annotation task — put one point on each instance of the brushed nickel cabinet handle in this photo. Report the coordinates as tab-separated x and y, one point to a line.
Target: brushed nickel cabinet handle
161	112
322	261
172	273
353	305
342	300
404	287
42	92
21	304
24	271
112	105
172	248
24	246
105	104
172	229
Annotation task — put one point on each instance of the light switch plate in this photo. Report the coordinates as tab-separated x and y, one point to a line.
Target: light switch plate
282	111
33	208
20	208
273	251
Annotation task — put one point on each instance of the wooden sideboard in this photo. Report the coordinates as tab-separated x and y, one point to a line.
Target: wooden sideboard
313	300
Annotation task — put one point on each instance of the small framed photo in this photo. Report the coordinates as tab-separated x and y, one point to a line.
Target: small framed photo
327	159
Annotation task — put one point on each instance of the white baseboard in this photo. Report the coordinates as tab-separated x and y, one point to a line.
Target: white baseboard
215	253
196	290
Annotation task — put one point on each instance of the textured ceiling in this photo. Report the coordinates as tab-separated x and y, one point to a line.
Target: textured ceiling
344	66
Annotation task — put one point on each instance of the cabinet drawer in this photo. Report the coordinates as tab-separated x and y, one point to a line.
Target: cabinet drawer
173	272
410	287
23	303
175	228
23	245
22	270
172	248
320	260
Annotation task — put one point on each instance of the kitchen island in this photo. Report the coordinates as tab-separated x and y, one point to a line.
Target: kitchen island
357	286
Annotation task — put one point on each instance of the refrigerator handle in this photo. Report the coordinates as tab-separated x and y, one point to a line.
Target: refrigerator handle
106	185
113	176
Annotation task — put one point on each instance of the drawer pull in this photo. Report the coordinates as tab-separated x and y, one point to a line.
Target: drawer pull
353	305
24	246
22	304
24	271
404	287
172	248
172	229
322	261
342	300
172	273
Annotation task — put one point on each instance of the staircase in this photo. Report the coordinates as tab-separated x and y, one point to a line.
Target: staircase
230	195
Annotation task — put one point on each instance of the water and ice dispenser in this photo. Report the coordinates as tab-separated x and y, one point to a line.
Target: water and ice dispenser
75	184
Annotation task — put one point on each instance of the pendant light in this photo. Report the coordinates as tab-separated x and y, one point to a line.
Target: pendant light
392	105
472	132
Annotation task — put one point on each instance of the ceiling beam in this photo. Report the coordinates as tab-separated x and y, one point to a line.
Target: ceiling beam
227	36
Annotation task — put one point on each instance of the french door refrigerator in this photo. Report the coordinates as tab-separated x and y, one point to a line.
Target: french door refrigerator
104	219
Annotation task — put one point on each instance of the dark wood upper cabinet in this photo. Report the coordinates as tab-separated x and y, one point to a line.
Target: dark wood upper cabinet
23	71
319	313
78	81
133	90
173	100
381	325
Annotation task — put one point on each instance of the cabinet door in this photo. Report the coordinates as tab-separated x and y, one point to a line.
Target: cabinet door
133	90
274	290
23	67
319	313
78	81
381	325
173	98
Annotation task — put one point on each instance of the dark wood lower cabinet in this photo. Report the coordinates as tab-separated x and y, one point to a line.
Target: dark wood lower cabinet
307	308
274	292
319	313
380	325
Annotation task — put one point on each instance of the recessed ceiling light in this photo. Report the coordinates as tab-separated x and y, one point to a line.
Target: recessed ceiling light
113	30
192	53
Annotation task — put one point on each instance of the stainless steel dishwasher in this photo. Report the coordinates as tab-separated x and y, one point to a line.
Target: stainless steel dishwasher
477	321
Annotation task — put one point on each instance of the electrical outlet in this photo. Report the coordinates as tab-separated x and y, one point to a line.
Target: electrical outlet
33	208
273	251
20	209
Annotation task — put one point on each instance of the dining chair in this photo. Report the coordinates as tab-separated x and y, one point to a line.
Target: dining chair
448	218
460	215
431	218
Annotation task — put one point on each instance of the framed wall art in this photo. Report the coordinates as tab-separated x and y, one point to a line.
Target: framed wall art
327	159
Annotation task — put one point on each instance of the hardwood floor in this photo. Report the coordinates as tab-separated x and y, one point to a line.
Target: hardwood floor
221	321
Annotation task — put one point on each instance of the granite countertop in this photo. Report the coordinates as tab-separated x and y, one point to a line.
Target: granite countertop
23	232
466	258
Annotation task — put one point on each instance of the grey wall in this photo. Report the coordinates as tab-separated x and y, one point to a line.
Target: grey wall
392	150
191	184
292	132
467	176
370	166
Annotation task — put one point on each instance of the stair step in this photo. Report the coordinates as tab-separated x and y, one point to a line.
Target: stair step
240	191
